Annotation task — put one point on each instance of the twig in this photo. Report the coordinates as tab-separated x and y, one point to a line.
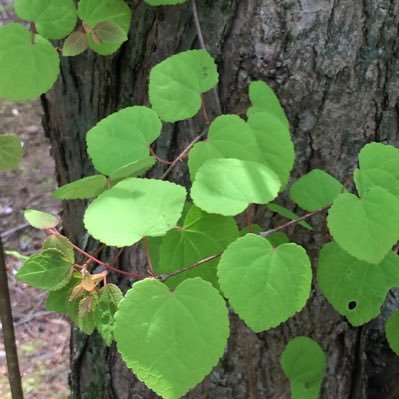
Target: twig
153	153
148	255
292	222
10	232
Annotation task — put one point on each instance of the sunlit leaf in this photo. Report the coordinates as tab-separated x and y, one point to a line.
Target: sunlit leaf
40	220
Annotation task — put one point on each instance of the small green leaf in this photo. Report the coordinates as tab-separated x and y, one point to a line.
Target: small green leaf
365	227
122	138
277	238
281	210
40	220
265	285
264	99
164	2
315	190
49	270
88	187
75	44
110	33
355	288
29	66
109	297
133	169
54	19
228	186
135	208
177	83
93	12
62	244
392	332
178	336
304	363
10	151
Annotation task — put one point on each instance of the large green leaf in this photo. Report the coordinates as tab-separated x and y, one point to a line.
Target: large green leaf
265	285
315	190
122	138
281	210
10	151
228	186
49	270
40	220
229	136
176	84
93	12
392	332
134	208
171	340
264	99
274	142
202	235
54	19
368	178
28	68
304	363
87	187
355	288
368	227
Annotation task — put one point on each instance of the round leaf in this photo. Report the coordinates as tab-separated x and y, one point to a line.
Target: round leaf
110	33
75	44
87	187
10	151
122	138
28	68
265	285
228	186
171	340
392	332
133	209
368	227
54	19
40	220
176	84
355	288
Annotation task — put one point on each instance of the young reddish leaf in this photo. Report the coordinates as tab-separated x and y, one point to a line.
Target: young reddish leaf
75	44
109	32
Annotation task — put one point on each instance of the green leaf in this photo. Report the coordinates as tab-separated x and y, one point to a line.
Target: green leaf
93	12
304	363
75	44
164	2
315	190
177	83
49	270
110	33
264	285
10	151
54	19
228	186
355	288
264	99
62	244
277	238
201	236
109	297
392	332
27	69
368	227
122	138
281	210
134	208
178	336
133	169
88	187
229	137
274	142
40	220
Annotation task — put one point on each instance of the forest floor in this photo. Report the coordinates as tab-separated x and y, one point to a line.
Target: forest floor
42	336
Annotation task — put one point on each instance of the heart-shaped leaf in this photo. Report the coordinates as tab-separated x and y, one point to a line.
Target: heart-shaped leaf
304	363
355	288
176	84
88	187
10	151
265	285
392	332
54	19
122	138
228	186
40	220
28	68
134	208
171	340
368	227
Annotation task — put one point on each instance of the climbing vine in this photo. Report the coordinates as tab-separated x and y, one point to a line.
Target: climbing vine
171	327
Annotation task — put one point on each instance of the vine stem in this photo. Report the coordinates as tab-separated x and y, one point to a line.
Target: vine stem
292	222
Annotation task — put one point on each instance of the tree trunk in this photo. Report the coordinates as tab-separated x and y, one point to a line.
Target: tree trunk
334	65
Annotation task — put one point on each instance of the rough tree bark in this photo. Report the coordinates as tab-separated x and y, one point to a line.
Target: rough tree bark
334	64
